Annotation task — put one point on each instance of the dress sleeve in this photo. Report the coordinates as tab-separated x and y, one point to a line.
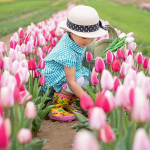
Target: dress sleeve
67	60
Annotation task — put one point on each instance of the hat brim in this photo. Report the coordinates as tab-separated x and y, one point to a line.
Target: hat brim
95	34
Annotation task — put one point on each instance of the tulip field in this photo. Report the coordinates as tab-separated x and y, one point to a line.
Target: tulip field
116	106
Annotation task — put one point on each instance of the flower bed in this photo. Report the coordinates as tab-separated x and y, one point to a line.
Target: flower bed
117	103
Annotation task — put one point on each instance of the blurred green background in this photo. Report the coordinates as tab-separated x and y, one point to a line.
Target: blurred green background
125	17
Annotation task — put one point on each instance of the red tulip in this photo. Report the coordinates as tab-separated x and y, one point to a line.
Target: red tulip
36	73
32	64
42	80
86	102
99	65
106	134
116	66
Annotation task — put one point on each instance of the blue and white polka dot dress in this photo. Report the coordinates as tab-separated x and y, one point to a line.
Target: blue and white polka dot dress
65	53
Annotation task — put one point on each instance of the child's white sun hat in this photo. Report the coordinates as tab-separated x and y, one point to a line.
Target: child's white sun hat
84	21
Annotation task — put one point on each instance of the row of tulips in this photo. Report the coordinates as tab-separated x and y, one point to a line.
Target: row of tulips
118	105
22	104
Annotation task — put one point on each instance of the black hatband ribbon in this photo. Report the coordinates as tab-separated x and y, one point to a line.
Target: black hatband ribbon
89	28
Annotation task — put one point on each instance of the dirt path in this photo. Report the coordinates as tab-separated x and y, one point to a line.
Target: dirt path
60	135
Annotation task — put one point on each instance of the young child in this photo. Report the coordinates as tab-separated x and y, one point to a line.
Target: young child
63	64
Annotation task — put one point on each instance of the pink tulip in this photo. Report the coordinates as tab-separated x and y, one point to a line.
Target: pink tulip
39	52
4	78
130	52
103	102
26	38
42	40
36	73
41	64
130	60
16	94
121	96
97	118
24	97
19	79
130	34
15	36
85	140
53	42
23	48
24	136
7	63
94	72
13	54
94	79
141	140
44	55
139	58
42	80
36	41
21	33
86	102
117	83
29	47
18	48
119	54
4	138
107	80
15	67
116	65
3	47
145	63
7	100
132	46
99	65
24	63
140	111
1	64
88	56
30	110
124	68
109	57
45	49
13	43
32	64
106	134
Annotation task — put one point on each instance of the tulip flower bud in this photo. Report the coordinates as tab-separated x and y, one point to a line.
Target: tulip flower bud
88	56
86	102
13	43
15	67
36	73
107	80
45	49
1	55
116	65
41	64
109	57
3	47
129	40
85	140
117	82
21	33
13	54
124	68
32	64
7	63
30	110
122	35
1	110
99	65
24	136
106	134
39	52
119	54
141	140
139	58
42	80
94	79
1	64
97	118
36	41
145	63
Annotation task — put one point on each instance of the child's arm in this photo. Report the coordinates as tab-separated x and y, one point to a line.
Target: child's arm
70	74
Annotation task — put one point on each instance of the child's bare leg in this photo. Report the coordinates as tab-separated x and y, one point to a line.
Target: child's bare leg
65	92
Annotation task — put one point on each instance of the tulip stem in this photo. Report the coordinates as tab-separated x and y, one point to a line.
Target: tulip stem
121	120
41	90
99	81
30	124
23	146
95	89
134	129
32	81
111	119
